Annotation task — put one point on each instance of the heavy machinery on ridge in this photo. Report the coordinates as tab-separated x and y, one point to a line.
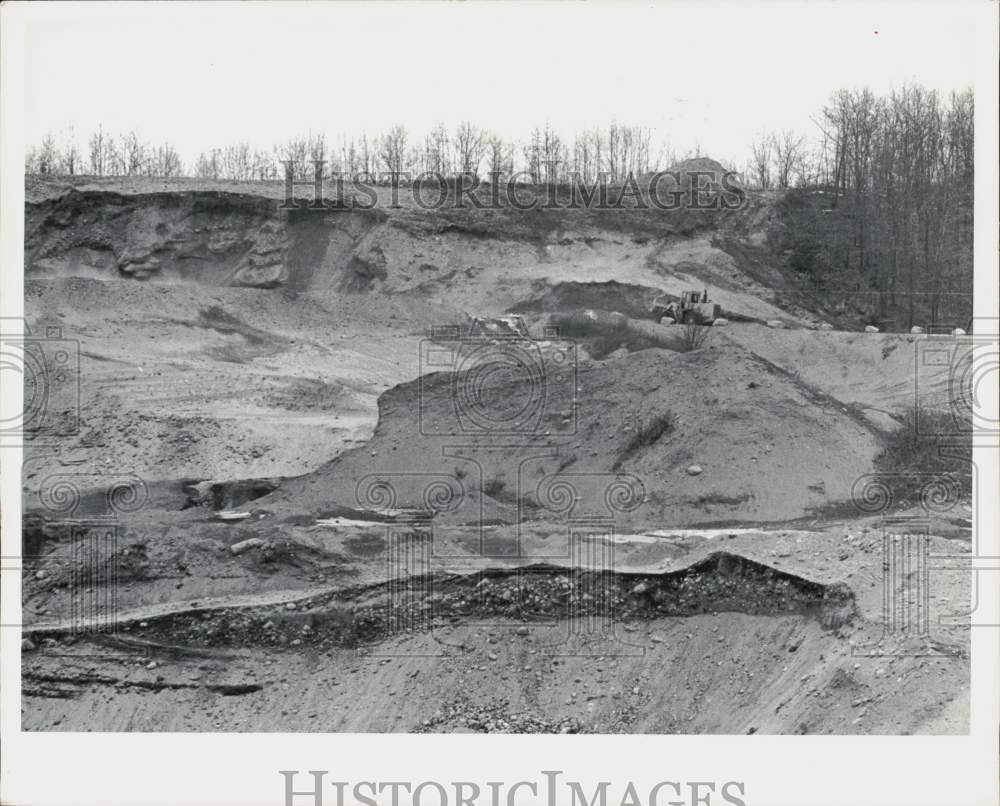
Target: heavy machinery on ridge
692	307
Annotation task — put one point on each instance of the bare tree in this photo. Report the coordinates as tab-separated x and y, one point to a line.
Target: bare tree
470	142
112	157
71	158
236	162
47	156
788	148
499	156
436	156
208	165
761	153
392	150
532	151
366	155
97	152
133	154
552	155
165	162
296	152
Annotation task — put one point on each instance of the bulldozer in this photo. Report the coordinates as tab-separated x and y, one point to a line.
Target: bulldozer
693	307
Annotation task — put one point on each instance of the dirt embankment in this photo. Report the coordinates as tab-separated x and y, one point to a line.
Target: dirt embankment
711	435
481	260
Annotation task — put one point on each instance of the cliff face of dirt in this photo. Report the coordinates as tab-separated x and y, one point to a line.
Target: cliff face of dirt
482	260
217	239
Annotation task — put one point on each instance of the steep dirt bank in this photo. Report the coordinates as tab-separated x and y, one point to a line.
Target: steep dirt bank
482	260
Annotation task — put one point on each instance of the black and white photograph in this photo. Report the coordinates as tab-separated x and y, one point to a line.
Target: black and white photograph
576	369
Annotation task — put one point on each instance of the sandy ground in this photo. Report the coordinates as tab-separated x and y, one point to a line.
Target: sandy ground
218	342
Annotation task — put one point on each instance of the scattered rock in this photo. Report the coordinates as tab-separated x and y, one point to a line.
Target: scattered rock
231	516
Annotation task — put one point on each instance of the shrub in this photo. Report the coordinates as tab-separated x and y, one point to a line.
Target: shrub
907	451
693	336
494	487
647	435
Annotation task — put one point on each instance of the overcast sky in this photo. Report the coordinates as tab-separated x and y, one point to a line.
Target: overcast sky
710	74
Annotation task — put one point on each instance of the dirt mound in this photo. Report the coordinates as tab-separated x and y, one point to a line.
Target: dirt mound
502	431
631	300
698	164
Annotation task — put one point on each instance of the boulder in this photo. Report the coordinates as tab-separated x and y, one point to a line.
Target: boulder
668	320
958	332
916	329
775	323
694	470
246	545
720	321
871	329
826	326
259	273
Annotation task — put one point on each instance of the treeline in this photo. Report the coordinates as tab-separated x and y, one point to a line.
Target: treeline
898	214
105	155
615	150
467	149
